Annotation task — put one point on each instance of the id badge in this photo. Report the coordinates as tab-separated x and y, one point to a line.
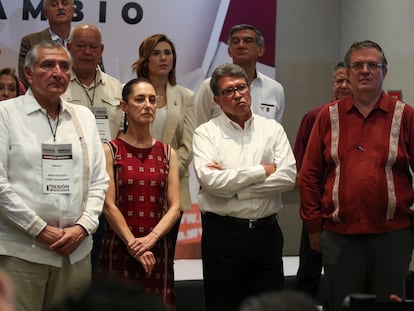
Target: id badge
57	168
102	122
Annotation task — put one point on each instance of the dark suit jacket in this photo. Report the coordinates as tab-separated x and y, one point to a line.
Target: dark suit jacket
27	43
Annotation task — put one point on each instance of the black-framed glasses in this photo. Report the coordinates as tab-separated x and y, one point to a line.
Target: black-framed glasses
370	65
229	92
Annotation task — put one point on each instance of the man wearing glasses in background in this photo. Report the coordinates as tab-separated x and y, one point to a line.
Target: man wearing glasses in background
89	86
310	261
246	46
243	162
356	186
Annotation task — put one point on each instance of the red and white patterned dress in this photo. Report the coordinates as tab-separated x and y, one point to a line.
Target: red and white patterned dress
141	187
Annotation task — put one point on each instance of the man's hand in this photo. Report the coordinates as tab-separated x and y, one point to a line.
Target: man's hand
315	241
215	166
50	235
269	168
69	242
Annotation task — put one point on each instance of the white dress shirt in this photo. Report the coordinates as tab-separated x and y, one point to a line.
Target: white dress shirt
268	100
24	209
242	189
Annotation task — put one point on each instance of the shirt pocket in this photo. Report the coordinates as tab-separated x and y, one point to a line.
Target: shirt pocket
268	108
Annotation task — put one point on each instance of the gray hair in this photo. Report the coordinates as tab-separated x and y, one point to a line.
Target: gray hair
259	35
32	57
366	44
226	70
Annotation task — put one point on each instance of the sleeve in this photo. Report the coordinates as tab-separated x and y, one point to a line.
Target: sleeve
312	175
222	183
302	139
409	130
12	207
204	104
283	179
98	179
185	148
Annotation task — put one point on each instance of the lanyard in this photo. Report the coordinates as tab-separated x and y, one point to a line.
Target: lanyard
91	99
51	128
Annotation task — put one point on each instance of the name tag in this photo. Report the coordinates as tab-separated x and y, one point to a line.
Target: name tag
102	122
57	168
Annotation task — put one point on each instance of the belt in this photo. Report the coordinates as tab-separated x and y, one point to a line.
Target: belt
245	223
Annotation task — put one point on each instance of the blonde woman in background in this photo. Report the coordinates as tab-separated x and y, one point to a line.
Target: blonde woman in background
9	84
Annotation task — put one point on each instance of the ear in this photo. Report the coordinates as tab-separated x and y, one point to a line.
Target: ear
44	12
384	71
216	100
69	46
262	50
124	106
229	52
28	73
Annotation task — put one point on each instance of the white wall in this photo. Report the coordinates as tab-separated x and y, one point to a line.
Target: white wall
391	25
308	40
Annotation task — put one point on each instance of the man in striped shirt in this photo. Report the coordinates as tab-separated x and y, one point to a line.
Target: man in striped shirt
356	186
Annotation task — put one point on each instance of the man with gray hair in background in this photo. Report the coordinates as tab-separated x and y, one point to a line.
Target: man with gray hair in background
89	86
246	46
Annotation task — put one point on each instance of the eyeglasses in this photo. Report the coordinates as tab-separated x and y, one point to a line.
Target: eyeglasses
83	46
340	81
370	65
229	92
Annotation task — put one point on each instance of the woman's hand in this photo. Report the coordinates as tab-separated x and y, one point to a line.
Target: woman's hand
139	246
148	261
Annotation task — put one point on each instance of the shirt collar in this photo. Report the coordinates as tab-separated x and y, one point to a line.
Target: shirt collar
32	105
58	39
258	80
381	103
235	125
98	78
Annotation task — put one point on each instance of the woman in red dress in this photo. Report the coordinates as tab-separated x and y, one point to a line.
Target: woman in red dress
143	201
